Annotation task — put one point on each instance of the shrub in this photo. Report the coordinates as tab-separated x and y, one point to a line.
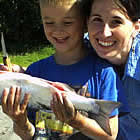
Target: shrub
20	20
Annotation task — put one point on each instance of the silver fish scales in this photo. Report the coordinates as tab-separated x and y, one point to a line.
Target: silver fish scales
41	94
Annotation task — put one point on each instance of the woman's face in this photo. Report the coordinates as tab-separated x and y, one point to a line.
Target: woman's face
110	31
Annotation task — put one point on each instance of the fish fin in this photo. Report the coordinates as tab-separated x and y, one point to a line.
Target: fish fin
102	118
103	121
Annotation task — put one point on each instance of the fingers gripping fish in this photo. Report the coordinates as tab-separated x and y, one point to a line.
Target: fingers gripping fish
41	94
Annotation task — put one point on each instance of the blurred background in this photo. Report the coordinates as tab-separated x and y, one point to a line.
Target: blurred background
21	24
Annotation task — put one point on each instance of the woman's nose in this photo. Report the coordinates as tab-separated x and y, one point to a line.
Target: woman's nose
107	31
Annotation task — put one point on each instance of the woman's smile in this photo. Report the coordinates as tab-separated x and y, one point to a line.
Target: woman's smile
106	43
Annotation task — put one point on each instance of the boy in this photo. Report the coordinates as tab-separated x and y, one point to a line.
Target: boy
72	64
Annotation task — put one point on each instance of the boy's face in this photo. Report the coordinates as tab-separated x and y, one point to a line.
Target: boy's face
63	26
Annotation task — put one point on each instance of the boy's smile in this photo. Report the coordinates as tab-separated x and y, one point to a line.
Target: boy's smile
60	40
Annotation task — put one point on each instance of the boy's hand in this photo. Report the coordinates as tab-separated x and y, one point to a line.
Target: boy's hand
15	68
63	108
12	107
17	112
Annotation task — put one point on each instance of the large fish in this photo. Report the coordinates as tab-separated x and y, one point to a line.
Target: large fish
41	94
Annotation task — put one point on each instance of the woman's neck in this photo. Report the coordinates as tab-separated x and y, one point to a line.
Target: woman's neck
120	66
120	70
119	60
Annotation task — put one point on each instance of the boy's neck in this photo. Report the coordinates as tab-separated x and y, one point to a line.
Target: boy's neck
72	57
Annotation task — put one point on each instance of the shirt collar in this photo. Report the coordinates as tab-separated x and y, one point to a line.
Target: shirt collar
132	67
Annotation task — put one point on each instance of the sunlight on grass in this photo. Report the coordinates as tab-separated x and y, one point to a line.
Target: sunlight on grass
29	57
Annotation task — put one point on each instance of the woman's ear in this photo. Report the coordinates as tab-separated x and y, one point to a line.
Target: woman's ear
136	28
137	25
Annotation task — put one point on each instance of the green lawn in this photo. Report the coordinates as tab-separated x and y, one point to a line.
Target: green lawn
24	55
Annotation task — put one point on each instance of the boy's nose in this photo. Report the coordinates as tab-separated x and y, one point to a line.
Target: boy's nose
107	31
58	29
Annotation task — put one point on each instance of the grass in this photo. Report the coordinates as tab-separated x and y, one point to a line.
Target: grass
25	54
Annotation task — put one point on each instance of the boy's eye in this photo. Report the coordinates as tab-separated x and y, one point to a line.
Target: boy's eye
49	23
68	23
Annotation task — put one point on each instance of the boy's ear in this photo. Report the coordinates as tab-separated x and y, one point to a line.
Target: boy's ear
85	29
86	24
87	21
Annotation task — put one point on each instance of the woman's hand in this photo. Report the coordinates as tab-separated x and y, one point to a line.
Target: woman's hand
15	68
63	108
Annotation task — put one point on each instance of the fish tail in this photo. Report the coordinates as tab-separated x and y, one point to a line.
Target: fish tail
102	118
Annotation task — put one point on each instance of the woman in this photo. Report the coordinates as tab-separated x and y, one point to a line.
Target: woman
113	32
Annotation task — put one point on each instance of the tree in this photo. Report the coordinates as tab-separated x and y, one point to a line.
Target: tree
20	20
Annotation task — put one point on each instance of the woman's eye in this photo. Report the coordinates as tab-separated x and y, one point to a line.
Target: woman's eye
95	20
116	22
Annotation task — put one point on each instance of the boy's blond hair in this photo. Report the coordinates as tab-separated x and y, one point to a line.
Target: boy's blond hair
78	3
57	2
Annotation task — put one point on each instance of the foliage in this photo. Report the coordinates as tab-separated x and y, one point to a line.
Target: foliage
20	20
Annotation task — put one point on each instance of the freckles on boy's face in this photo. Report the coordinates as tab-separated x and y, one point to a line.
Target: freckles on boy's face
63	25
